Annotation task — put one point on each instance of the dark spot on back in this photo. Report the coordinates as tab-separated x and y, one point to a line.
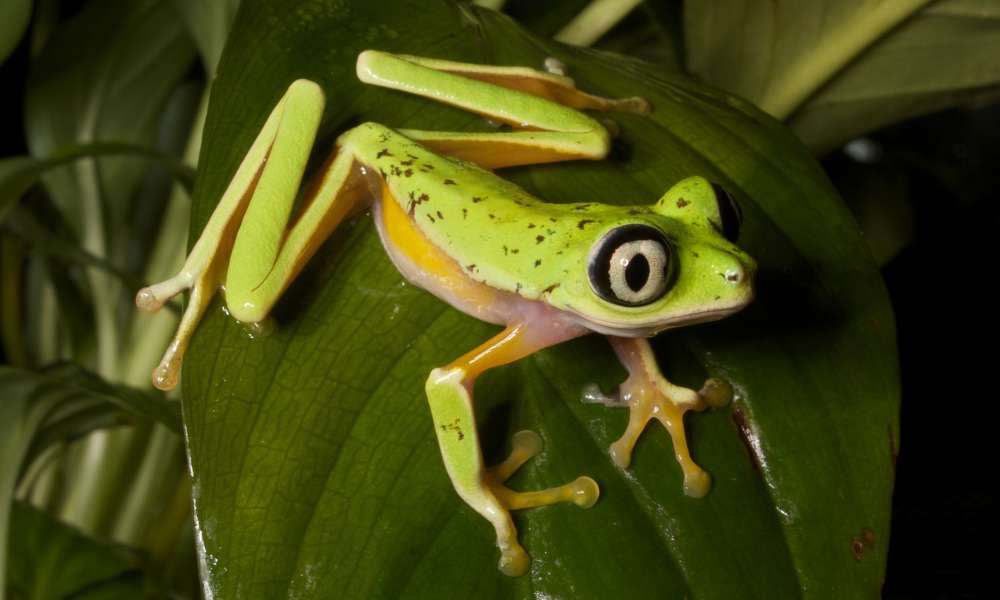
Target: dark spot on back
681	203
538	261
539	239
584	223
449	182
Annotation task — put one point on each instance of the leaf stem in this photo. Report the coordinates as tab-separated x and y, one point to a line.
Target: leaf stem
594	21
814	69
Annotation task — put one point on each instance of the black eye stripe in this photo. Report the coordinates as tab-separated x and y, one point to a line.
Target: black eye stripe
634	276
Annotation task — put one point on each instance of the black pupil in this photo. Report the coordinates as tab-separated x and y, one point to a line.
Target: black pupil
637	272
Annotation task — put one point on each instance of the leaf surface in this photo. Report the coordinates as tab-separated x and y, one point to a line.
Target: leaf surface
838	68
52	561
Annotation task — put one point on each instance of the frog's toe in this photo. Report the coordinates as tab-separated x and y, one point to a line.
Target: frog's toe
583	491
697	482
716	392
656	398
514	561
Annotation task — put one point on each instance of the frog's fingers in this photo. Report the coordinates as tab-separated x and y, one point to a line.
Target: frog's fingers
651	396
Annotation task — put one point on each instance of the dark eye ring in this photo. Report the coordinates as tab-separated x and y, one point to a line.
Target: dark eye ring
730	214
631	265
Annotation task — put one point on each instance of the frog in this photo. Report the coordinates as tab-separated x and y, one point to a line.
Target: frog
545	272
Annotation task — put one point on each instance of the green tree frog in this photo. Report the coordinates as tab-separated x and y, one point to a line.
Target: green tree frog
546	272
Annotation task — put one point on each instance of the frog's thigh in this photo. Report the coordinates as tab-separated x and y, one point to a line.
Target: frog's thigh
449	394
650	395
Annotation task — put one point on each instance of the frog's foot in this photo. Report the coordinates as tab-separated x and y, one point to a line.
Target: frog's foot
152	298
583	492
657	398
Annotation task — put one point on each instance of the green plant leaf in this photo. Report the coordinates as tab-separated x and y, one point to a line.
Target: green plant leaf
837	69
316	471
209	24
14	18
19	173
104	76
37	409
51	560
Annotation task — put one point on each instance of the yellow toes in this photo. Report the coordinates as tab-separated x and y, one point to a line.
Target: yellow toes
667	403
716	392
514	561
697	482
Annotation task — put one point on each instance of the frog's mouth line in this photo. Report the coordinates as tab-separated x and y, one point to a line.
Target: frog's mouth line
652	327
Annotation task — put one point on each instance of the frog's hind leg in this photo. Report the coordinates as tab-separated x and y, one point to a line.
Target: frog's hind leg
245	242
542	108
449	392
649	395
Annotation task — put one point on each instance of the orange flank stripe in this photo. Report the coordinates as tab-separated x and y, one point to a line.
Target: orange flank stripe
496	154
409	241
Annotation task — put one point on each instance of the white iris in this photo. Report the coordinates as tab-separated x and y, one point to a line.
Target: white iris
656	281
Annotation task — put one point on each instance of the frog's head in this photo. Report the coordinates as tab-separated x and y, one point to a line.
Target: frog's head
674	265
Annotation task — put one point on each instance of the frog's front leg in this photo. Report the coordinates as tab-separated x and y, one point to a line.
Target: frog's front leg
449	391
649	395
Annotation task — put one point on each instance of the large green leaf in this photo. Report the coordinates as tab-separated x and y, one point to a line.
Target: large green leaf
52	561
838	68
316	472
104	76
14	18
57	405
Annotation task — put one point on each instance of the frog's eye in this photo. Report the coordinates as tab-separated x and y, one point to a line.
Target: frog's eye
730	215
630	265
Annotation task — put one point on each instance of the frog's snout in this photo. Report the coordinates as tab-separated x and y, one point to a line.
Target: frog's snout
738	272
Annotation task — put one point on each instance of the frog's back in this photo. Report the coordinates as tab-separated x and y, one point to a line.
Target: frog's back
500	234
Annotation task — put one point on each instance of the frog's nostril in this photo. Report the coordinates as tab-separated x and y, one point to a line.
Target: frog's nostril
734	275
